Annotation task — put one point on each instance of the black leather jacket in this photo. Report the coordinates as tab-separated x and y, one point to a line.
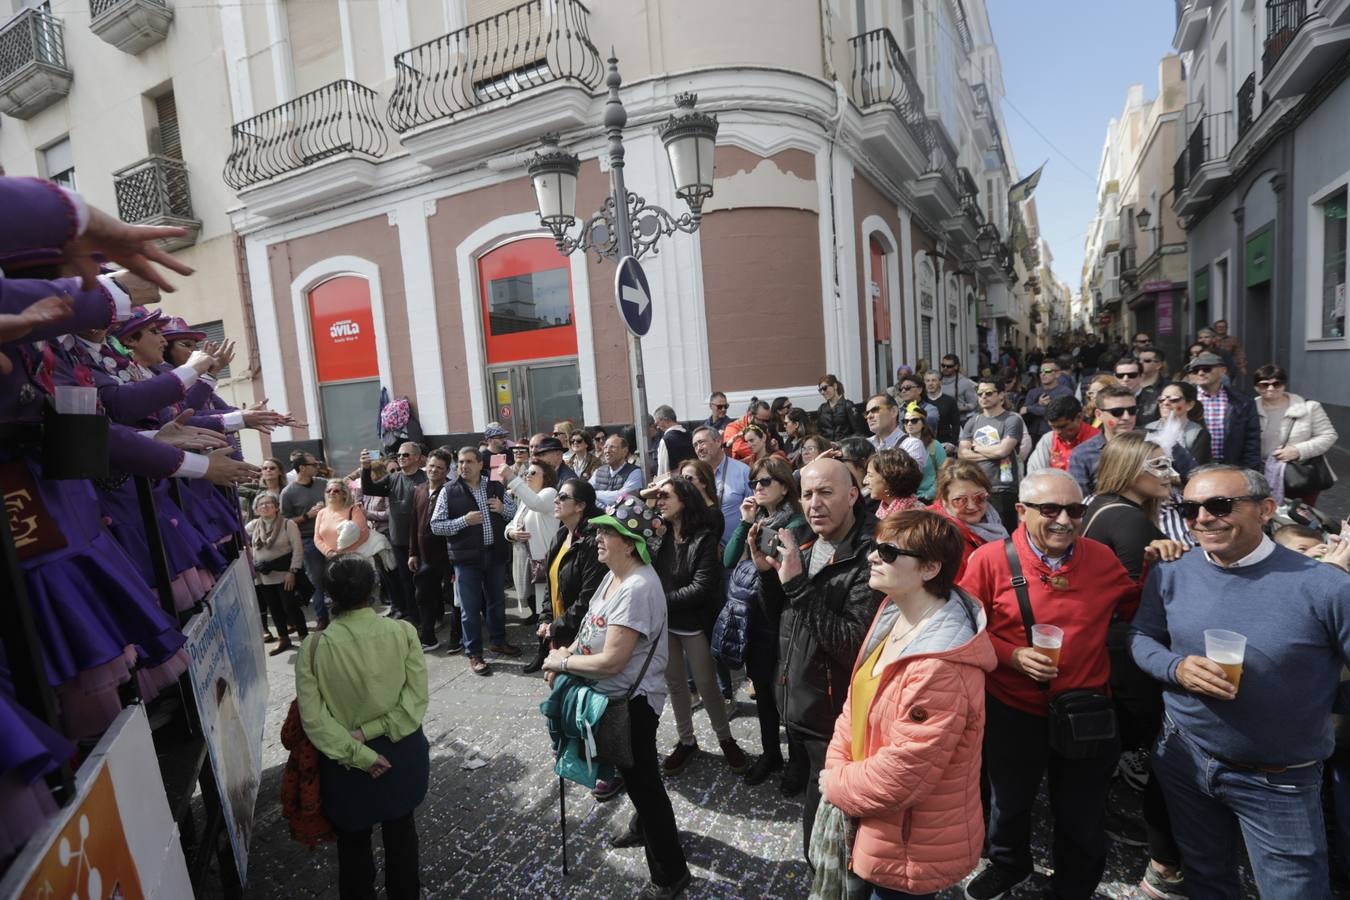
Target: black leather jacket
579	574
691	573
824	621
839	421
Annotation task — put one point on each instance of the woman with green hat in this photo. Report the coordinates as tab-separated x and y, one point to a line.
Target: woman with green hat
621	646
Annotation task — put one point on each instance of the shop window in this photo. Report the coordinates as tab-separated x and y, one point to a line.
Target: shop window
1329	238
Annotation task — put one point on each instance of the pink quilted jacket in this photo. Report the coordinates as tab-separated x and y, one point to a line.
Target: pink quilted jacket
916	793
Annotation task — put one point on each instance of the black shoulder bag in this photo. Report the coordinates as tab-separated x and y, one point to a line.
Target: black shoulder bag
1082	723
614	732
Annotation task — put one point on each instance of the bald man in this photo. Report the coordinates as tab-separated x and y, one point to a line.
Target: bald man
826	607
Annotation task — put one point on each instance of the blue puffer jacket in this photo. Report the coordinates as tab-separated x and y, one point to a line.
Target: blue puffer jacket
731	633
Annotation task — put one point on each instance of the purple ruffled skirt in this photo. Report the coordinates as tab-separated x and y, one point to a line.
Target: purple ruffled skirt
191	557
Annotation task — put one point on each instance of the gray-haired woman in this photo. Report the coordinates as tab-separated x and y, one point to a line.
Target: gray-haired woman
278	555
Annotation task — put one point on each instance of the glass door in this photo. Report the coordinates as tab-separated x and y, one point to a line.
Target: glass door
528	398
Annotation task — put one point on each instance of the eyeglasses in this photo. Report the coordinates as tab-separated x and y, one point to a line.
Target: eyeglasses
561	497
1219	507
1270	385
560	434
889	553
1052	510
1200	370
987	393
578	440
947	365
1166	399
914	421
1142	340
333	491
1127	374
969	499
762	482
823	388
720	405
1120	412
909	387
1049	371
404	455
875	410
764	423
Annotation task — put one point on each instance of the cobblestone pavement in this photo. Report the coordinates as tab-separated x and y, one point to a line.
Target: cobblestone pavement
489	826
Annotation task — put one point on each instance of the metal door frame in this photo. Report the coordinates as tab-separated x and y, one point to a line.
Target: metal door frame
520	390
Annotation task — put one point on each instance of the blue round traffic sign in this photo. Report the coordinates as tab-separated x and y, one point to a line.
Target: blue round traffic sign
633	296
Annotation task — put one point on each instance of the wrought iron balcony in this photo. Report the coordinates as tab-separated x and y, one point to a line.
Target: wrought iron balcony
341	117
155	191
130	25
1129	268
1283	20
33	70
1180	176
536	43
1246	96
1209	141
970	196
881	75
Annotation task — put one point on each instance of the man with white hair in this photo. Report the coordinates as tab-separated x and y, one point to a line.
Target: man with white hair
1078	586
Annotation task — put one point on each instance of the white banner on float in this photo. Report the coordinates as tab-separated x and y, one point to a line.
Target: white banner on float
229	681
117	838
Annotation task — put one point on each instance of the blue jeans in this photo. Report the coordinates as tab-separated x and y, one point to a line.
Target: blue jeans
1340	795
481	591
315	563
1213	806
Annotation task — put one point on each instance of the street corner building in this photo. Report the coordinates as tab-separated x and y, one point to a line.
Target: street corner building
378	229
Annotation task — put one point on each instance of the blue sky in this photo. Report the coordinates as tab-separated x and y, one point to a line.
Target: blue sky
1066	67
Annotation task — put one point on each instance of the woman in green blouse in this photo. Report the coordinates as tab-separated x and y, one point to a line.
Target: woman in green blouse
362	689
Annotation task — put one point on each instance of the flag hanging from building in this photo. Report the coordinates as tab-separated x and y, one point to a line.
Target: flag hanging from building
1022	190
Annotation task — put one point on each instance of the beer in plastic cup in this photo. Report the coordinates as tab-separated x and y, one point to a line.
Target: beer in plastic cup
1048	639
1227	649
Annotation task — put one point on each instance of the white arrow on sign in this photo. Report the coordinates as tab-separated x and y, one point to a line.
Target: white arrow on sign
635	295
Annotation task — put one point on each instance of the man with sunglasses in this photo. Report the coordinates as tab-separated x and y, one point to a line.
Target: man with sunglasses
958	387
1119	411
398	485
1078	585
1232	419
883	420
1051	387
1244	757
991	438
1130	372
717	406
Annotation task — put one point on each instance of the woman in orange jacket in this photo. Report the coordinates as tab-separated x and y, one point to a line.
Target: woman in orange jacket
905	757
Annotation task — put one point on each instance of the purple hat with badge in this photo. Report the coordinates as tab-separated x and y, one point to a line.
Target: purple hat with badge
141	318
637	521
177	329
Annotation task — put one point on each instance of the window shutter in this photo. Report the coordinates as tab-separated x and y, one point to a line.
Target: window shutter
508	39
170	144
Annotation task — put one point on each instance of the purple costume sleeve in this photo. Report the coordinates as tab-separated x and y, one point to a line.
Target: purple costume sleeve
131	452
93	309
130	403
37	214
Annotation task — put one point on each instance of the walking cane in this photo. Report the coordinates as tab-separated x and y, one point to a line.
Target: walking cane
562	819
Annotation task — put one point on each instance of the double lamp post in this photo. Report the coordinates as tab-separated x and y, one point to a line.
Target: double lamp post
626	225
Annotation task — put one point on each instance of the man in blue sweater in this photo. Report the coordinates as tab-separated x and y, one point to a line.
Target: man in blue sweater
1248	759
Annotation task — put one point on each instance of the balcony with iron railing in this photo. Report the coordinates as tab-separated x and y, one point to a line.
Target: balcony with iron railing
33	70
1180	177
542	42
339	118
1284	18
155	191
1207	162
1246	97
130	25
882	79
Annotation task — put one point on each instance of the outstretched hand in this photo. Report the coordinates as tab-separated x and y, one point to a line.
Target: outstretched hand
131	246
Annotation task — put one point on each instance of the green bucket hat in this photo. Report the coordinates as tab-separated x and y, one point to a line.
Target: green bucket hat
634	519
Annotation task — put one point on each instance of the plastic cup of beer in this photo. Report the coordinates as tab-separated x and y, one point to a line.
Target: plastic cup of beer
1227	649
1048	639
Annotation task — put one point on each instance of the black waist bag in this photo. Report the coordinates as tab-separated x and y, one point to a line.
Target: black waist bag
1082	723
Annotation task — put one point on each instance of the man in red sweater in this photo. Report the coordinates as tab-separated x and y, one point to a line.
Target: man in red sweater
1078	585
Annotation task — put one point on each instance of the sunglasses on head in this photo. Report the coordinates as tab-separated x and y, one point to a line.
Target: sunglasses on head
889	553
1121	411
1215	506
1052	510
763	482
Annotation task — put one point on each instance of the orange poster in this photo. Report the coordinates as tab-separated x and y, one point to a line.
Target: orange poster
89	858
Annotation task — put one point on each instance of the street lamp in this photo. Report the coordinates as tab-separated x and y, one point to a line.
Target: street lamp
1143	217
987	241
625	224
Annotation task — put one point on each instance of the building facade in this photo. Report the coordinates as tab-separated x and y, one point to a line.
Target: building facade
385	232
123	100
1261	183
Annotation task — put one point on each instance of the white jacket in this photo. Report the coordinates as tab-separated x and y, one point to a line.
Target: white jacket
1305	426
534	514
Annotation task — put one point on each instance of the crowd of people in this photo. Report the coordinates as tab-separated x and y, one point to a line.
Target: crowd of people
940	597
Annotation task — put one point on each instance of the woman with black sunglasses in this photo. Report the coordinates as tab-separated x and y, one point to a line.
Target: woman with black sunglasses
773	504
574	571
582	457
837	418
915	423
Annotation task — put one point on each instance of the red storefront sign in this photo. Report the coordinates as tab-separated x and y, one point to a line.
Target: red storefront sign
343	330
